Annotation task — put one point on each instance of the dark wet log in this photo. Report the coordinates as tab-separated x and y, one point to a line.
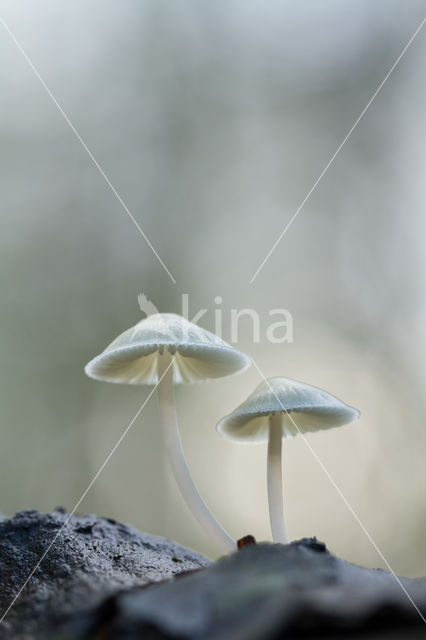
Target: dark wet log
91	559
105	580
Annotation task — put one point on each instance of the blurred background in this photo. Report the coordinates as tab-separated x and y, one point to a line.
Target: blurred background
213	120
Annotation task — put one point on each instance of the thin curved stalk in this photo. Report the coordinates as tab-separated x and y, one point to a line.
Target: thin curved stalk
177	458
275	484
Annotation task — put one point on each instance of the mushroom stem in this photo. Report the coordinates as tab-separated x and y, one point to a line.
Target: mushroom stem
177	458
275	486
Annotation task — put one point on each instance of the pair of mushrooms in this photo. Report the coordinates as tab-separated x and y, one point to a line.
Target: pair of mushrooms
167	349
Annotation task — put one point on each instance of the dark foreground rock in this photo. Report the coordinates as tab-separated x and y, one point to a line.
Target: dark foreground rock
91	559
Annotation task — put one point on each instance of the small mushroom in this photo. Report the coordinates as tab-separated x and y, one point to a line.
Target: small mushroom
167	349
265	416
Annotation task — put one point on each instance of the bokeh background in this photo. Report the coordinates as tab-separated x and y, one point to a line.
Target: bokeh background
213	120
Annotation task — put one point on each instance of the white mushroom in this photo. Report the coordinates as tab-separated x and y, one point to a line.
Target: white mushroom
265	416
167	349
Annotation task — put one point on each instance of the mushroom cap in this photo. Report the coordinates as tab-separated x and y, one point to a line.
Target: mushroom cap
132	358
312	409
